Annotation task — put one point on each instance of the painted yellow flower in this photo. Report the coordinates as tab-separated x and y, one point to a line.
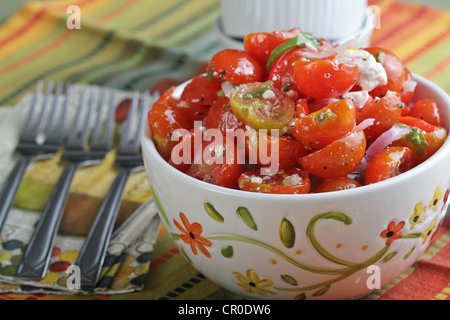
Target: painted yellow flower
417	216
253	284
436	197
427	233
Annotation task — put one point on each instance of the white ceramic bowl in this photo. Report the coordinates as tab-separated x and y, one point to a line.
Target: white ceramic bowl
336	245
329	19
363	34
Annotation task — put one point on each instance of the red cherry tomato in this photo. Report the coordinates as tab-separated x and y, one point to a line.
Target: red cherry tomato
178	159
427	110
337	159
164	121
394	69
388	163
322	127
407	92
417	123
385	111
201	91
301	108
432	142
323	79
217	169
331	185
235	66
289	181
222	117
263	148
282	72
262	106
260	45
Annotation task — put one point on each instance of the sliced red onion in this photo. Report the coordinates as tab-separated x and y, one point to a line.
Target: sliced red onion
227	87
409	85
364	124
385	139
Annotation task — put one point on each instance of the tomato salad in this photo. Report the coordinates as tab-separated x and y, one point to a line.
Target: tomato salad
341	117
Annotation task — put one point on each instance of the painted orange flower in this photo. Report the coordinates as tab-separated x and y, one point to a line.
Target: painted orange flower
191	234
392	232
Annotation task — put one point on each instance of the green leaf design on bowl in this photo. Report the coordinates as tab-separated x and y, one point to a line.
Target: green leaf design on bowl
287	233
212	212
289	279
247	217
227	251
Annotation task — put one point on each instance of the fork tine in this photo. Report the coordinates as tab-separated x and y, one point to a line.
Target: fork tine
51	121
79	135
47	99
28	132
142	117
103	129
127	137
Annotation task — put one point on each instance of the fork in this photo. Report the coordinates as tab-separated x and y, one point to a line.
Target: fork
128	159
44	122
36	257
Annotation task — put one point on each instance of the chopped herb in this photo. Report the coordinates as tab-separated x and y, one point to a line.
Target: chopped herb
418	141
259	92
222	74
299	40
220	93
380	57
287	85
210	75
286	182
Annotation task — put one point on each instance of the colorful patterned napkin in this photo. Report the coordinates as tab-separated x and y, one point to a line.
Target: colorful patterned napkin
129	254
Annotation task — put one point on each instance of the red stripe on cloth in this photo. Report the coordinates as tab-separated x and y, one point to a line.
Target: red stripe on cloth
61	40
411	20
114	13
24	28
443	65
427	46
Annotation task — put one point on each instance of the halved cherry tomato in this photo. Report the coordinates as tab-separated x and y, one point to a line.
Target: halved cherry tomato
163	121
301	108
222	117
385	112
191	112
394	70
201	91
235	66
323	79
178	158
218	169
289	181
322	127
417	123
423	144
407	92
388	163
282	72
337	159
427	110
331	185
263	149
262	106
260	45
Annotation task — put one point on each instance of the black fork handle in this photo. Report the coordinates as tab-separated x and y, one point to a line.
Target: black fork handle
36	257
10	187
92	254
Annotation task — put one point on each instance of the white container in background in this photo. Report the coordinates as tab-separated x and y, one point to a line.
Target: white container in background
330	19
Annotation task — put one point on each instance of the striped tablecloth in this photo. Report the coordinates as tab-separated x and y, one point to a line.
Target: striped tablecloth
146	45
